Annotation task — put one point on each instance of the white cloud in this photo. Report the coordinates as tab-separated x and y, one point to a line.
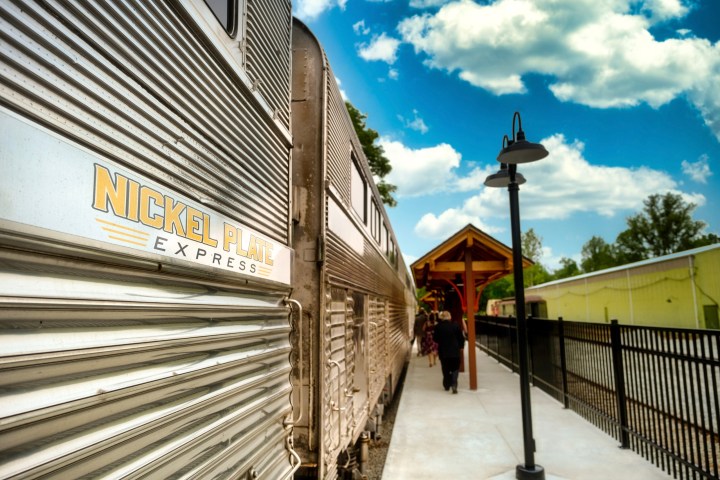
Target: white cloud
698	171
393	74
416	123
422	171
343	94
381	48
599	53
309	9
449	222
427	3
360	29
551	261
561	185
662	10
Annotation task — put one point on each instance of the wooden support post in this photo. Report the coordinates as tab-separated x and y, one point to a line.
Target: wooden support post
470	312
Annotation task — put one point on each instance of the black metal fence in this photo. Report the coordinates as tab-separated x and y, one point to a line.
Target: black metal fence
653	389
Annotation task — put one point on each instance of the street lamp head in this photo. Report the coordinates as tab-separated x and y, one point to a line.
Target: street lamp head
518	149
502	179
522	152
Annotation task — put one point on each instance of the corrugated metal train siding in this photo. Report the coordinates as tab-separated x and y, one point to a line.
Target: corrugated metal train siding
132	81
378	347
123	374
398	326
126	372
267	55
337	365
340	131
347	267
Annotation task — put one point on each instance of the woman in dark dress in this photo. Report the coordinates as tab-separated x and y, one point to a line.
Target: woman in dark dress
430	347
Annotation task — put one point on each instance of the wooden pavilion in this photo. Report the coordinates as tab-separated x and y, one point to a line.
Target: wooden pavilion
469	257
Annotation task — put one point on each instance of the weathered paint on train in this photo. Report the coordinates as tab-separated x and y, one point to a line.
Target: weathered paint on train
145	246
678	290
355	290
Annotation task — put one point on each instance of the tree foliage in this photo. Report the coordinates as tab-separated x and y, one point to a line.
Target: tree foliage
597	254
378	162
568	268
531	245
501	288
532	249
664	226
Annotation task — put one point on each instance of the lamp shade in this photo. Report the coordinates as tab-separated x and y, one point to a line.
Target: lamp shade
501	179
522	151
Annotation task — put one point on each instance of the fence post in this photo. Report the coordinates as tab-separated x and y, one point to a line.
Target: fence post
531	359
563	363
618	369
514	361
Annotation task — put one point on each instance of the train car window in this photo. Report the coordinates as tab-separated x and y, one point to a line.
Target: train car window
392	254
384	239
358	192
375	220
226	13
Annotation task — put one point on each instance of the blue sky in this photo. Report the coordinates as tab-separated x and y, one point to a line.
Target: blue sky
624	94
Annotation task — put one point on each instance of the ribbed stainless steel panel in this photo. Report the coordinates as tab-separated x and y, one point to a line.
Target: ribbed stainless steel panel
340	135
378	346
337	379
267	54
397	335
115	372
136	82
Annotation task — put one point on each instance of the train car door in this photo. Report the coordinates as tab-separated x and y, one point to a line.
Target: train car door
360	348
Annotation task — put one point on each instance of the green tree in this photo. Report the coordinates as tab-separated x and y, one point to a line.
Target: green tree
532	249
665	226
504	287
378	162
568	268
708	239
501	288
597	254
531	245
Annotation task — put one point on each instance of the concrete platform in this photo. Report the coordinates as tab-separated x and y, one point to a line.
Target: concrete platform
478	434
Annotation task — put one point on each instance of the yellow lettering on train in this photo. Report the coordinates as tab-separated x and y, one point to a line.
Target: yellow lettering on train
238	247
252	248
228	236
131	200
193	224
148	198
108	191
207	239
173	209
268	253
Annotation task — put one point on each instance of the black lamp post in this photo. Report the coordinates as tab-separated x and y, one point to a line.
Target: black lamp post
514	151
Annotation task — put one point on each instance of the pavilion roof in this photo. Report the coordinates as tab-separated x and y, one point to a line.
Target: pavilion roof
446	263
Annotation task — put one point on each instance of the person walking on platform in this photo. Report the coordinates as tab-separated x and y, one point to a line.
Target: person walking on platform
430	348
450	340
418	330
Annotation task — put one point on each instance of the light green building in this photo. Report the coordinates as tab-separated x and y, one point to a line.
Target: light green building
678	290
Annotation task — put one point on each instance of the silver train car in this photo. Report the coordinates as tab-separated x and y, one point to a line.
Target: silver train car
157	317
145	250
355	289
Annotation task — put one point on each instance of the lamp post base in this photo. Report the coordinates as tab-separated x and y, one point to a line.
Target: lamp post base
535	472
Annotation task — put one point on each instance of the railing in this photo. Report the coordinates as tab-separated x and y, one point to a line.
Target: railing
653	389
